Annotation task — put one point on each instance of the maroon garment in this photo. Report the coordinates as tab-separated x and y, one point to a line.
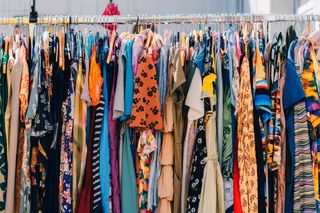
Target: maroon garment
86	197
114	147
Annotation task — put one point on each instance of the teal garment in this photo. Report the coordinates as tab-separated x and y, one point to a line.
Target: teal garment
129	79
104	146
129	198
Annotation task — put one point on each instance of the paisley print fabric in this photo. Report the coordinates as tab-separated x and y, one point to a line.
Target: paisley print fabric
246	144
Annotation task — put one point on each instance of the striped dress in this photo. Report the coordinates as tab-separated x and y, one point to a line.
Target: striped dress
96	156
304	200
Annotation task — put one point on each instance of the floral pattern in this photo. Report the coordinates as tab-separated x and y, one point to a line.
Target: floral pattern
146	112
42	124
146	145
65	185
198	164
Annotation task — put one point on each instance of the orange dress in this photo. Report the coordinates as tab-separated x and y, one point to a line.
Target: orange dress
95	79
146	112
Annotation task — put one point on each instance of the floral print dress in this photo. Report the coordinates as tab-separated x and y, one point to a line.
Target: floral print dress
146	145
65	185
146	112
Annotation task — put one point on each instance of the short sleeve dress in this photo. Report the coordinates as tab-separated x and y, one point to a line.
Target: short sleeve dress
146	112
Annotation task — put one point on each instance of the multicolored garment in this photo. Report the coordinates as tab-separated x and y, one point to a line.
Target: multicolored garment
274	129
311	85
24	97
41	125
315	148
38	171
41	129
146	145
65	185
263	104
262	99
304	200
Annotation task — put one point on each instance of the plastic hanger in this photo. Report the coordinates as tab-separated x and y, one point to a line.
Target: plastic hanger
184	47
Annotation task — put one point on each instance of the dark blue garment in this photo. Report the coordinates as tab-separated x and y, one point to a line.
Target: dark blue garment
292	94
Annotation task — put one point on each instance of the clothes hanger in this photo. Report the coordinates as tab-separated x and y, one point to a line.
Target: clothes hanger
148	47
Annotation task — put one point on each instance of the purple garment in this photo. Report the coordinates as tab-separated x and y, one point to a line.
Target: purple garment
138	48
114	147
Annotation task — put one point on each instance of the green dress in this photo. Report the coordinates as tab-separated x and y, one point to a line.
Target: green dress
129	198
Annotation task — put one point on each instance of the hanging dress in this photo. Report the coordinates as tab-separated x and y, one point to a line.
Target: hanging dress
197	169
146	145
23	101
212	183
165	183
248	184
114	140
24	96
41	135
129	199
146	112
65	184
304	188
104	141
14	127
79	137
178	98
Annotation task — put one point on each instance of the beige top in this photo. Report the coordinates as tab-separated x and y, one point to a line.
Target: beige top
14	129
178	97
165	183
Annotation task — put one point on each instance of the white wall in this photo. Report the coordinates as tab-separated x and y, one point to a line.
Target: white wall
269	6
310	7
132	7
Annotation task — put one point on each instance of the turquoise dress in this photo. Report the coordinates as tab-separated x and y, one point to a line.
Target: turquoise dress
129	79
104	146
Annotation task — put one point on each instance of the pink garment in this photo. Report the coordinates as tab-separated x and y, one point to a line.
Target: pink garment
138	48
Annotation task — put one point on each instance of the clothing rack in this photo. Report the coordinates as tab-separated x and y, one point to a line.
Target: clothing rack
167	19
